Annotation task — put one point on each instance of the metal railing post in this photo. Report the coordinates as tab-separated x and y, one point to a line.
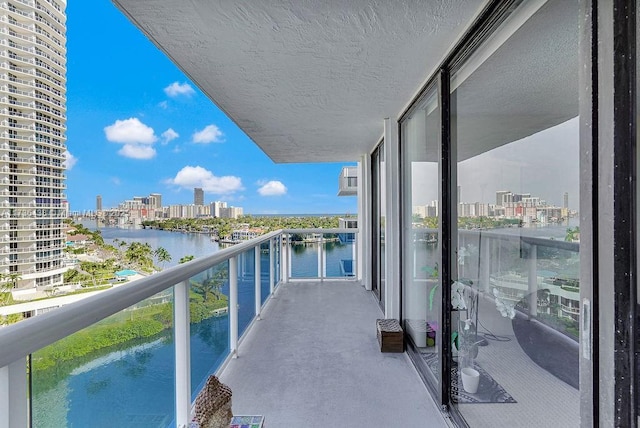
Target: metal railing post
233	306
13	395
354	252
271	267
484	276
287	248
533	280
323	260
258	281
182	345
320	257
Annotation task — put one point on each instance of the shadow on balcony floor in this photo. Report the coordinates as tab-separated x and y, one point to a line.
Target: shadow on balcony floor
314	361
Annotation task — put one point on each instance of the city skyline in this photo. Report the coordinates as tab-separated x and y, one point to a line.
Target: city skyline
137	125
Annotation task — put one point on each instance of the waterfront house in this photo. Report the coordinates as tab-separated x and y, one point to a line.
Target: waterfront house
446	101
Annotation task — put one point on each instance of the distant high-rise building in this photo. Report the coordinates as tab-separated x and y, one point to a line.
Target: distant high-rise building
500	197
231	212
98	203
155	200
198	196
565	202
32	128
216	208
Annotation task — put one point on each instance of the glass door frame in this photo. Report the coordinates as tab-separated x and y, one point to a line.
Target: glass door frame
377	187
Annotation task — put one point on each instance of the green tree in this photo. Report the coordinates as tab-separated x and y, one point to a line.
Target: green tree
139	255
162	255
8	281
212	283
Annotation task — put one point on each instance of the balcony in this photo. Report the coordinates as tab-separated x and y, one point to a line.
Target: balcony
298	316
348	181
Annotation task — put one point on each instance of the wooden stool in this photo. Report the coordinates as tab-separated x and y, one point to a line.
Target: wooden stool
390	335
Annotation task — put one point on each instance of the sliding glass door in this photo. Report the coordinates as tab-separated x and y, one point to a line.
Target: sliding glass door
515	296
421	297
378	205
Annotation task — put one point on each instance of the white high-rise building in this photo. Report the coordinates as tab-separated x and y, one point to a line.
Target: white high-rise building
32	140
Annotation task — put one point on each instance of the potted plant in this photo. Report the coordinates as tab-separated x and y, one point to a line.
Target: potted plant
467	344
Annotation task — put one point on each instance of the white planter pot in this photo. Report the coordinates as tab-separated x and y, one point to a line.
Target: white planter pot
470	379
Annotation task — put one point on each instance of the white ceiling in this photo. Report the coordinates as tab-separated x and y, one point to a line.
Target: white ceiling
307	80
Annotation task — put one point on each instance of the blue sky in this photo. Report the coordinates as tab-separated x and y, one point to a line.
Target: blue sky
136	125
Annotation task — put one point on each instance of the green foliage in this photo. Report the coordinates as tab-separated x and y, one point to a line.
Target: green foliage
10	319
162	255
573	234
128	325
6	298
224	226
186	259
8	281
210	282
140	255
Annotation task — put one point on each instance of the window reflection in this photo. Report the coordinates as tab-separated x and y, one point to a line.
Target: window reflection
421	237
516	268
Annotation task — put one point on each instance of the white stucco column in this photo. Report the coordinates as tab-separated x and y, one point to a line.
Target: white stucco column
13	395
392	225
364	221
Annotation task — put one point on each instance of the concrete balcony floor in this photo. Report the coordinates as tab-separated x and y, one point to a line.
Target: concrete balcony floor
313	361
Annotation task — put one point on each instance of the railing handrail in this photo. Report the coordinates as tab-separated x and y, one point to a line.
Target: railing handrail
37	332
496	235
321	230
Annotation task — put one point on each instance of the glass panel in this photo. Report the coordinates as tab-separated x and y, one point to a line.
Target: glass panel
246	290
276	260
304	249
421	293
209	306
515	297
378	221
117	372
339	255
264	272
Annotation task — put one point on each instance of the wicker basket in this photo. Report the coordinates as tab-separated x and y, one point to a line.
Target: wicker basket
213	405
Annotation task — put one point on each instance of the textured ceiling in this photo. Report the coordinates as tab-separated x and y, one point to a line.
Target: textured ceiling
307	80
526	84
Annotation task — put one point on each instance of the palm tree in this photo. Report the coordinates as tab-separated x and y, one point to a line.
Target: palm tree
162	255
7	283
139	254
212	283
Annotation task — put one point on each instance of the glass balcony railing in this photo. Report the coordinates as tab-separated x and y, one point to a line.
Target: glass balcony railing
325	255
138	354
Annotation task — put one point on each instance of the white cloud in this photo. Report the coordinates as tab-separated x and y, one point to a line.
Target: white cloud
70	160
116	181
197	176
169	135
163	105
176	89
130	131
210	134
272	188
137	151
